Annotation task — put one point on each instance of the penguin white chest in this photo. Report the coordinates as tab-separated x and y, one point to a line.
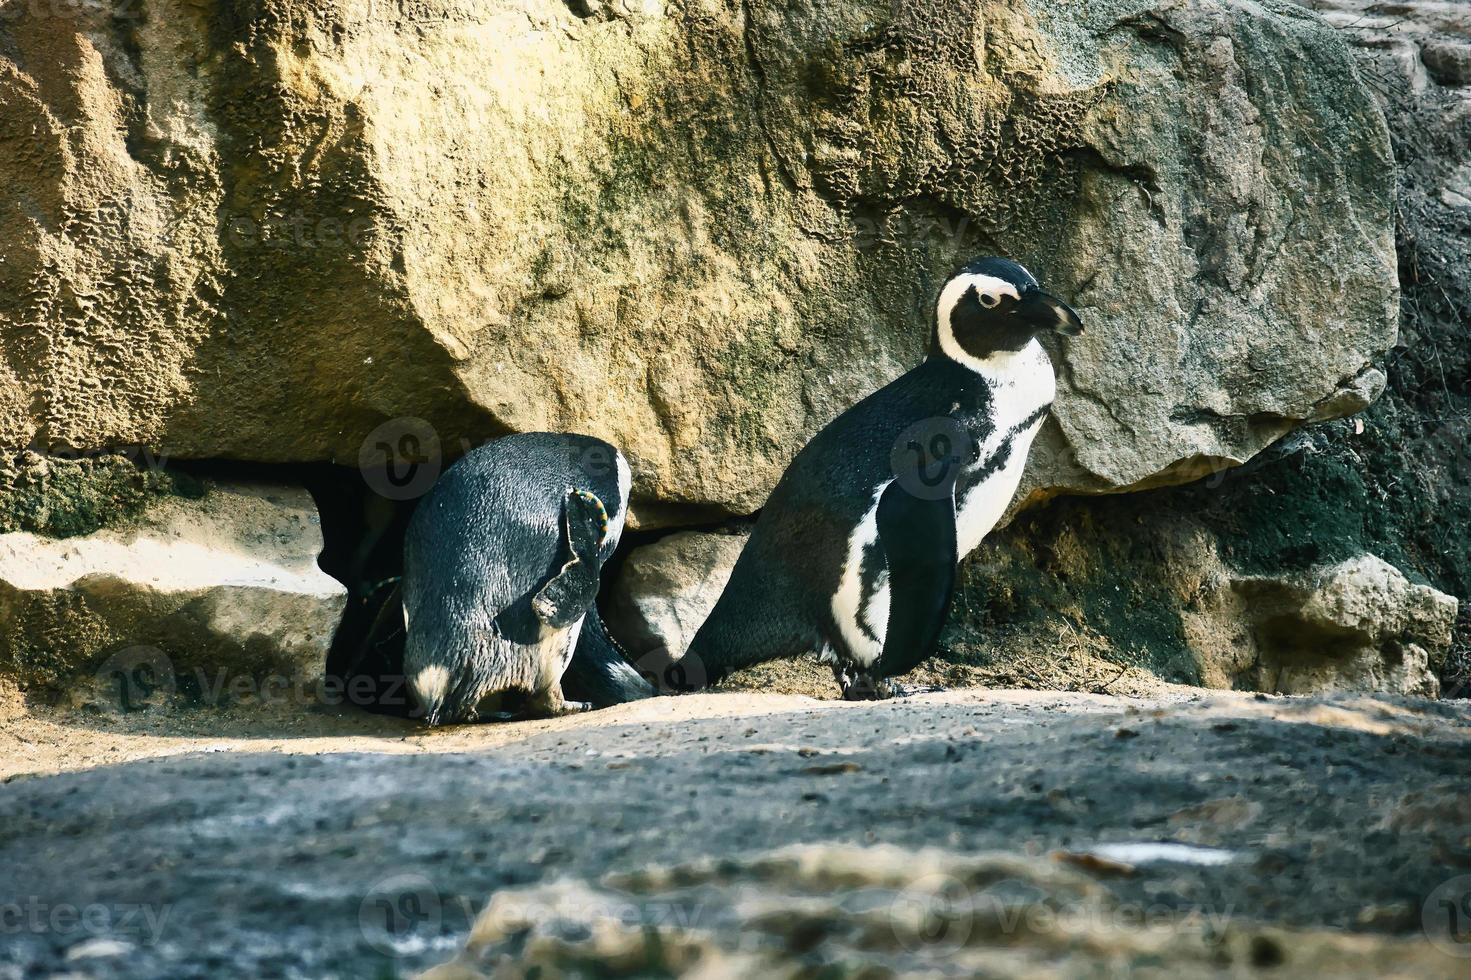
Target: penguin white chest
979	508
1022	389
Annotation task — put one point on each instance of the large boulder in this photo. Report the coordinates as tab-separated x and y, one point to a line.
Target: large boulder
212	598
260	229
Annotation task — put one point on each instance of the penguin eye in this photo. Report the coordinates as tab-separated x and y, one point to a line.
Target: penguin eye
989	301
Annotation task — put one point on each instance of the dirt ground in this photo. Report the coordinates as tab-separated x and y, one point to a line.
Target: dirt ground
90	731
966	832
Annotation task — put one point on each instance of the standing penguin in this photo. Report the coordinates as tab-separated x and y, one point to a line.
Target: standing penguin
854	555
501	566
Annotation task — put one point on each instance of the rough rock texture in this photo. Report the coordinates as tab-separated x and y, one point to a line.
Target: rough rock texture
260	229
898	912
1356	626
666	589
1327	837
200	597
1400	484
1121	576
1189	585
61	497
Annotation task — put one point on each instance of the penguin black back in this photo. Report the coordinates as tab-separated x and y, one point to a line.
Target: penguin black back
802	537
501	566
854	554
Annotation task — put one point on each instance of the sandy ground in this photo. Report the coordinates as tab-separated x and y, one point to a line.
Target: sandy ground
784	835
91	731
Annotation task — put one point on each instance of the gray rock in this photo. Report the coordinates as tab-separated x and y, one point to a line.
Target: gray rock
666	589
1360	625
212	597
698	230
942	835
1416	42
1449	63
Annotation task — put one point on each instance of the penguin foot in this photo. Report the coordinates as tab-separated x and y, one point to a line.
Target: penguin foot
898	690
556	707
862	687
859	686
538	713
533	707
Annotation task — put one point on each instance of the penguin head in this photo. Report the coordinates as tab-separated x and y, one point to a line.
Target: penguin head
994	306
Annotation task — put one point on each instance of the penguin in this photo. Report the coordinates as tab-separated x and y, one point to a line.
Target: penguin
364	534
502	561
854	555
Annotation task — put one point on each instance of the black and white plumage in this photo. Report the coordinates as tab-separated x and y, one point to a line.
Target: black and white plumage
854	555
502	561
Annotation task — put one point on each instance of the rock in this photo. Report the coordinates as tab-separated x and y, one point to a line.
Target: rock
1215	585
1369	598
697	230
903	912
1449	62
1360	625
1149	580
666	589
1417	42
60	497
208	596
1357	394
776	901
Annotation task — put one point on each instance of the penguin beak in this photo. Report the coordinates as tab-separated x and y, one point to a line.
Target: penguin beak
1047	312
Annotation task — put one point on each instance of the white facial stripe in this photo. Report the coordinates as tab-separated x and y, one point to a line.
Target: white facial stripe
950	295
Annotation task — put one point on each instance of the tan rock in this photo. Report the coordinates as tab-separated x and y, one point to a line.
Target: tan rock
916	913
1360	625
208	596
700	234
667	589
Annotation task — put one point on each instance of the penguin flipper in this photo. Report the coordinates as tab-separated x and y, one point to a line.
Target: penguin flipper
919	542
569	593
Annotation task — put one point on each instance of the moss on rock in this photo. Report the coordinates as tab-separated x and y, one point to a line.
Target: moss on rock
1063	578
62	498
257	230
